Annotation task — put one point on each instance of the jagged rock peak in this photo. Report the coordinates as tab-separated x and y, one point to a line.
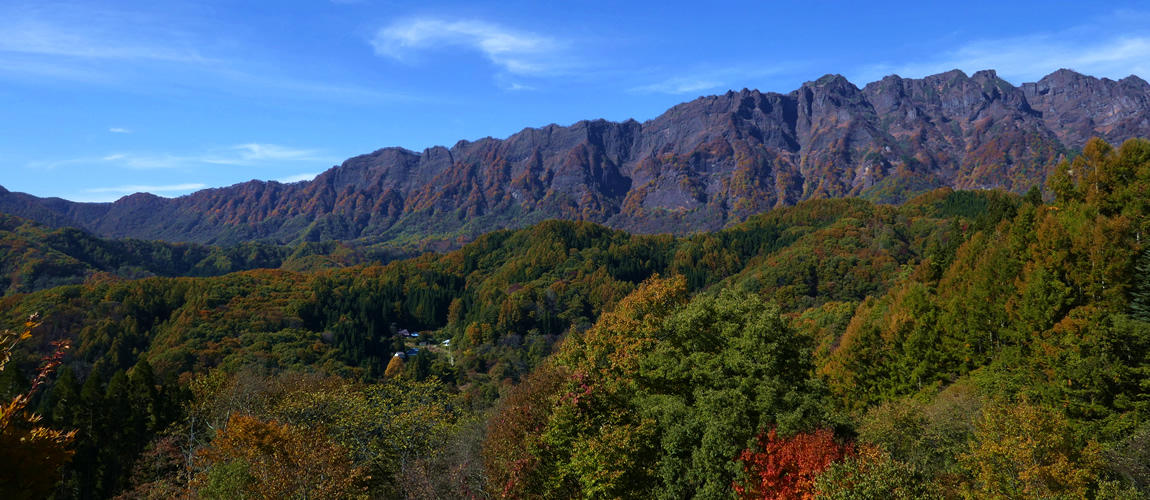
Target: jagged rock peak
698	166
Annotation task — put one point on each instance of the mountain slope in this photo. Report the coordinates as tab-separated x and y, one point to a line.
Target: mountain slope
699	166
34	257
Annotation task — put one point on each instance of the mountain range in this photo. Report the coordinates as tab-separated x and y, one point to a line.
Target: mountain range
700	166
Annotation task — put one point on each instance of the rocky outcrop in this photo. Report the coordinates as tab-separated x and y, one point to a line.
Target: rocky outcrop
1076	107
699	166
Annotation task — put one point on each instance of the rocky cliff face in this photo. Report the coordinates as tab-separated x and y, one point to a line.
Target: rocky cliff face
699	166
1076	107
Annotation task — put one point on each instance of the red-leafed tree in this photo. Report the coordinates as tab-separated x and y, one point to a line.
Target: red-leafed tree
785	468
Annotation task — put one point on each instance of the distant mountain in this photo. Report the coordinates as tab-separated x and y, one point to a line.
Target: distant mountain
699	166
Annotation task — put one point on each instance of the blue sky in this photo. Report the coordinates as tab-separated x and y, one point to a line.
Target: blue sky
103	99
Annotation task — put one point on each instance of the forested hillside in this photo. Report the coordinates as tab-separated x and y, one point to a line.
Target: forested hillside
964	344
35	257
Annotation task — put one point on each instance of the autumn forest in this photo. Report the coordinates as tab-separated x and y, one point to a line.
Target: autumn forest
962	344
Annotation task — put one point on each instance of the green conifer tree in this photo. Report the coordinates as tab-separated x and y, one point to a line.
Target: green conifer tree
1140	288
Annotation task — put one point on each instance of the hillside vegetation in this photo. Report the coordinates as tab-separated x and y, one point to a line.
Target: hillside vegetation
35	257
966	344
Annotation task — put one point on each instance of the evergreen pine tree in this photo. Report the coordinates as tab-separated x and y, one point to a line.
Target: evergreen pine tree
1034	196
119	436
143	419
1140	288
65	399
420	366
88	421
13	383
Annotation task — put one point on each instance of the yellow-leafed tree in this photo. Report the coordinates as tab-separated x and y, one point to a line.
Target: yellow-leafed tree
258	459
30	455
394	367
1028	450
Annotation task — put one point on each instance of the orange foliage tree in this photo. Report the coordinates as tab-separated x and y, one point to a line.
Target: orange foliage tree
785	468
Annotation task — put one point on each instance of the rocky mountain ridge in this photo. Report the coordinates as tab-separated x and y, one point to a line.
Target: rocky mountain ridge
699	166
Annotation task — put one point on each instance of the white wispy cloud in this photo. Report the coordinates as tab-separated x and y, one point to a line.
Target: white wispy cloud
517	52
38	69
270	160
138	161
133	161
119	130
261	160
1029	58
517	86
510	83
715	77
250	154
90	33
680	85
47	41
267	81
297	178
255	151
144	48
134	188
